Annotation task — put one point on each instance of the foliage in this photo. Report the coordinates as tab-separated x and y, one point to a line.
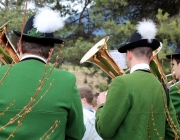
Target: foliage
102	87
100	18
76	52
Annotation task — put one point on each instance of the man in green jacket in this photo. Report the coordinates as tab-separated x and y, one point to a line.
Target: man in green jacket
135	108
175	89
38	101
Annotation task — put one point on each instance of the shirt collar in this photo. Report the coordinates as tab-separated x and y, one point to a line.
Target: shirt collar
140	66
89	109
33	56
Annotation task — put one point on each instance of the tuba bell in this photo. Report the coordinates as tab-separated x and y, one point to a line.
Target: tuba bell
100	56
8	53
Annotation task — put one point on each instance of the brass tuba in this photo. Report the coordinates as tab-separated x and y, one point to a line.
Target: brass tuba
99	55
156	67
8	53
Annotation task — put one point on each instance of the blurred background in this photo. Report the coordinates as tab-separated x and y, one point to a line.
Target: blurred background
88	21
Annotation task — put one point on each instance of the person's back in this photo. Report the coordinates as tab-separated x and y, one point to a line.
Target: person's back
144	108
38	101
59	104
136	106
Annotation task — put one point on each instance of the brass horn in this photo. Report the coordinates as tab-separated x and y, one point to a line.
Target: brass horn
173	80
100	56
8	53
156	67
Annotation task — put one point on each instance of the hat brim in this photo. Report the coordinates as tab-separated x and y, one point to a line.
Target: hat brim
37	39
170	56
140	43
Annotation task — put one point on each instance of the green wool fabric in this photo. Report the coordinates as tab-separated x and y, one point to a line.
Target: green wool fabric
175	97
57	103
135	109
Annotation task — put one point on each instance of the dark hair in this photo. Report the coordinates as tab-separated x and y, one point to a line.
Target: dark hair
36	48
86	93
177	58
142	52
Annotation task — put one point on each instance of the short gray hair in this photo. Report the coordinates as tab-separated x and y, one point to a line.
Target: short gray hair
140	52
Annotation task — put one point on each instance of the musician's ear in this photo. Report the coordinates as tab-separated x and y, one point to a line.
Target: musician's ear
151	58
84	101
129	54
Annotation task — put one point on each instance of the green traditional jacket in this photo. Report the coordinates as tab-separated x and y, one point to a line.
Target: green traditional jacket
135	110
175	97
47	103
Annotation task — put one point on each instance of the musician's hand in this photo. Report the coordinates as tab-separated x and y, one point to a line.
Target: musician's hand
101	98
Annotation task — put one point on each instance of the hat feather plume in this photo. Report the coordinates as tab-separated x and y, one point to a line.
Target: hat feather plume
147	29
47	21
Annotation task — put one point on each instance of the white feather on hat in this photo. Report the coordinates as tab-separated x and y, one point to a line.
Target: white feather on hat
47	21
147	29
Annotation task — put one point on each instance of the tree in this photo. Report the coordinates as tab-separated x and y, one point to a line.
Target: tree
100	18
118	19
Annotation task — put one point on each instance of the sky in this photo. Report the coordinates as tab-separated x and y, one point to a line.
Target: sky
75	5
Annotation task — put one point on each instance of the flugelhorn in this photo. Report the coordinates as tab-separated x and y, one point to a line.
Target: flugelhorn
8	53
100	56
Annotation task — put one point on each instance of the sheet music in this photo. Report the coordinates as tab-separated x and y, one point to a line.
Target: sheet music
119	58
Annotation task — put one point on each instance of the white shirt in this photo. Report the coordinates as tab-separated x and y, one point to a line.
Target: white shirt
140	66
89	122
33	56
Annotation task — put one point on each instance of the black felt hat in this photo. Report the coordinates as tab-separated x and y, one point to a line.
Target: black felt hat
142	37
40	27
175	54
